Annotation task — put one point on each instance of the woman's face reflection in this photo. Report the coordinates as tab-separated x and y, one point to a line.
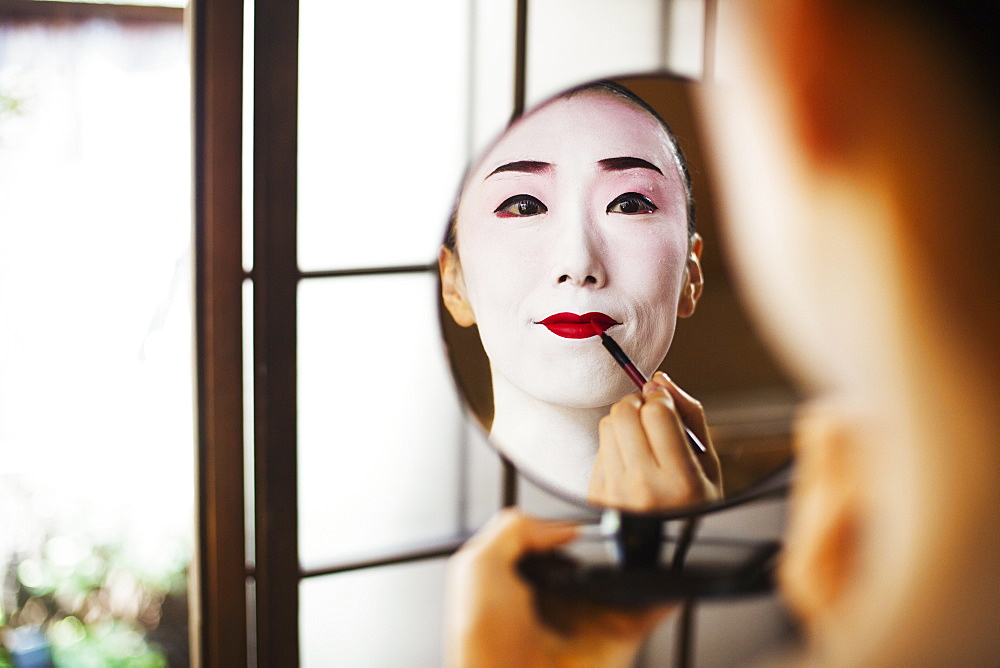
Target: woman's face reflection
579	210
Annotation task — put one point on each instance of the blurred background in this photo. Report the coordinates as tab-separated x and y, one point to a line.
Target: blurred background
96	372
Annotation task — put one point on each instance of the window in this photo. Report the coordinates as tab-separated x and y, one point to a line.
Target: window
96	366
335	470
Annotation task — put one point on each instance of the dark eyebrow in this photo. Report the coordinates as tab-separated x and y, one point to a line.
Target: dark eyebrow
619	164
530	166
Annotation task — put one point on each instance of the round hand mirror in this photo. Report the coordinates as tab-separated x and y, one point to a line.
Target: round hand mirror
579	265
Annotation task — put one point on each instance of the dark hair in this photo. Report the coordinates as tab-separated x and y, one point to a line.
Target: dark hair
621	91
618	90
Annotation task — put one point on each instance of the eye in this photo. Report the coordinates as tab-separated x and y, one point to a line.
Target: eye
520	205
632	203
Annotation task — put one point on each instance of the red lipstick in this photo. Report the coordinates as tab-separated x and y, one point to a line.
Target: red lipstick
573	326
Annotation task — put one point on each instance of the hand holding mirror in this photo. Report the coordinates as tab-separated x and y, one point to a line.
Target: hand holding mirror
577	229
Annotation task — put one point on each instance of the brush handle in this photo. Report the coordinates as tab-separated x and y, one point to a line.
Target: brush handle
695	442
625	363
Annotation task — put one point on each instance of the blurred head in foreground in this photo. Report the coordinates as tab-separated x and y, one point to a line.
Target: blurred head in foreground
858	149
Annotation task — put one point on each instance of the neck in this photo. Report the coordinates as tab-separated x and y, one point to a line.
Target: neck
553	444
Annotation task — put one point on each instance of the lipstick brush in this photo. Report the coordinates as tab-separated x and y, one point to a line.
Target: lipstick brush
625	363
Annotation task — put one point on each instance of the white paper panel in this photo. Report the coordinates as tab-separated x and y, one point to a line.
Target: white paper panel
383	113
388	616
492	83
572	41
379	425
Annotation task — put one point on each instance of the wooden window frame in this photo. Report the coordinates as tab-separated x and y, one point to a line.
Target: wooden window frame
222	631
222	577
223	580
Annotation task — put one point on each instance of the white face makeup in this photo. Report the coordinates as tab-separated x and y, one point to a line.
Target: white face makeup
579	209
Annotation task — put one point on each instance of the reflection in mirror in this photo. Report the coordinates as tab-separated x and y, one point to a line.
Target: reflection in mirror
575	246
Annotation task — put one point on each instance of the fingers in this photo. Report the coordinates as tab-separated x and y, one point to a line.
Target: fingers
493	617
509	534
689	408
645	461
620	457
665	434
693	415
629	435
607	466
608	453
634	623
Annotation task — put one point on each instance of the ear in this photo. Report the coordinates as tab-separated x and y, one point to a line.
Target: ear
821	546
694	280
453	288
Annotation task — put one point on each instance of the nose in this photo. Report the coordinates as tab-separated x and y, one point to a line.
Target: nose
578	259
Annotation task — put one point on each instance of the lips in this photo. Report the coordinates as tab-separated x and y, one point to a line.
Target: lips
573	326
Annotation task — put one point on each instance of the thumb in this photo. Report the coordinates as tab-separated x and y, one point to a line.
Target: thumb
510	533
